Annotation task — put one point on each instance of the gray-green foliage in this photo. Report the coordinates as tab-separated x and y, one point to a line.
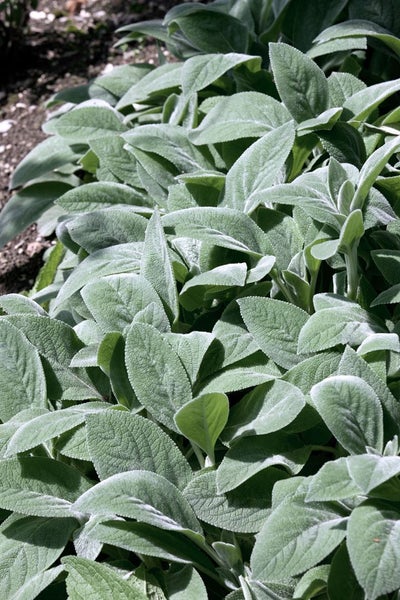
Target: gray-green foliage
200	396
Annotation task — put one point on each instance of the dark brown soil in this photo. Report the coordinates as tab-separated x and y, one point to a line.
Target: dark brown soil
58	52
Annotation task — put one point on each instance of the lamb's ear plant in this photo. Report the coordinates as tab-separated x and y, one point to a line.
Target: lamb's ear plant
200	395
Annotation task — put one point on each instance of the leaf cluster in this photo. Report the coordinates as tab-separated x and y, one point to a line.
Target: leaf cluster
200	395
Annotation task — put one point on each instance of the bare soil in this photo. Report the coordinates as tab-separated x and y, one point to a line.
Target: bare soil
60	50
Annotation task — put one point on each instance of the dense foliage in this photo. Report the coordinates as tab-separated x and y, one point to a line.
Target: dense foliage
200	396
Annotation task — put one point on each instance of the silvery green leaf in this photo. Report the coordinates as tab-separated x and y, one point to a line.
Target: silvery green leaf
97	195
325	121
306	95
315	203
148	540
201	420
342	581
388	263
73	444
248	372
329	327
89	120
117	226
38	583
373	542
360	28
39	486
114	300
377	210
57	343
171	143
144	496
343	86
110	358
371	169
14	304
275	325
352	476
121	78
231	333
36	543
184	582
45	427
353	364
206	285
379	341
142	444
389	296
48	155
200	71
363	102
338	45
156	265
312	370
295	537
22	378
257	169
191	349
252	454
94	580
26	206
351	410
242	115
224	227
159	82
124	258
242	510
268	408
113	157
156	373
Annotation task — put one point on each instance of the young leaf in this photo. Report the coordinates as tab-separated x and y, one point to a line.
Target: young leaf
39	486
295	537
115	300
242	115
156	265
156	373
253	454
141	445
312	370
275	325
90	579
351	410
306	95
144	496
242	510
201	420
28	546
363	102
191	349
269	407
101	194
89	120
117	225
207	285
22	379
373	541
45	427
224	227
257	169
124	258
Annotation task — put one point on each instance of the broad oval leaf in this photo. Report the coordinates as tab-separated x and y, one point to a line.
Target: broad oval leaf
22	379
144	496
142	444
302	85
40	486
295	537
373	541
242	115
351	410
90	579
100	194
258	169
268	408
156	373
275	325
89	120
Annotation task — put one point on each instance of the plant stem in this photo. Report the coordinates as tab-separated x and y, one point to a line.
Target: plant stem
352	272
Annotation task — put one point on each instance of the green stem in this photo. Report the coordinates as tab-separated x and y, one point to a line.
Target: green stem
198	453
351	259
